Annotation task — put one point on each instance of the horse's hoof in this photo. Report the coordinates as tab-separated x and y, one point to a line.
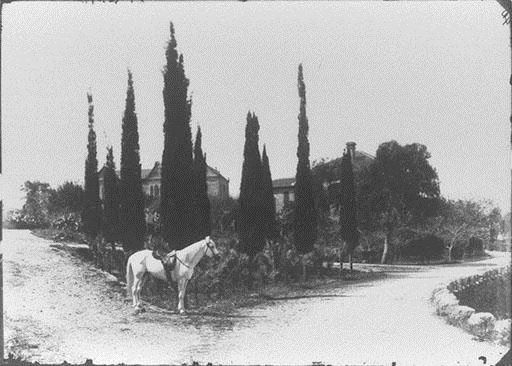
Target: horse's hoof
182	312
139	310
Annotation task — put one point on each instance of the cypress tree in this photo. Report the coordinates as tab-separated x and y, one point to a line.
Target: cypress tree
251	212
305	224
269	218
91	214
348	214
110	200
202	203
133	223
177	211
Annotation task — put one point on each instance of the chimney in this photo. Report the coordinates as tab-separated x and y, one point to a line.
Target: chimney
351	148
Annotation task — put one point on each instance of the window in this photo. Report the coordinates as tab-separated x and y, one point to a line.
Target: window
157	191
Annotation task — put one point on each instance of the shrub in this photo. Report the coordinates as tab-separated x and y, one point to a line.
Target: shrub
20	220
474	247
489	292
423	246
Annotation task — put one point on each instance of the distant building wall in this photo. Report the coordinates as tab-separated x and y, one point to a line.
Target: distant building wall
217	185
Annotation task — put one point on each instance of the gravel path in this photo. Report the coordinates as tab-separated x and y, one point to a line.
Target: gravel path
58	308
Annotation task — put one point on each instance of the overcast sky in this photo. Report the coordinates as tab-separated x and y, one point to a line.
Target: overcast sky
435	73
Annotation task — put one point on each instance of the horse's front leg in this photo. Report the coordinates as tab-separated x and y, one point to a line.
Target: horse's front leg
182	287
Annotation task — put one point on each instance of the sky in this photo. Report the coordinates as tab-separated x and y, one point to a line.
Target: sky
435	73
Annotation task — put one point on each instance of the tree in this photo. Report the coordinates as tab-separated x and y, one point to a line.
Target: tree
305	220
35	211
202	203
398	188
177	211
462	220
348	215
269	203
67	198
111	200
91	214
251	211
131	198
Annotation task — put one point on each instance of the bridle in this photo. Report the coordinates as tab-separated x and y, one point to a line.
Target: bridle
208	246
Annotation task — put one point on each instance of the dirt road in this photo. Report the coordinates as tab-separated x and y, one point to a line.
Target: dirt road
58	308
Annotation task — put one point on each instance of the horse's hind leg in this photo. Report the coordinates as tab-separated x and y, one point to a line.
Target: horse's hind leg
137	288
135	294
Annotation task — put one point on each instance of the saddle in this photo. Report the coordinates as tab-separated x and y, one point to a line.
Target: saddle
168	261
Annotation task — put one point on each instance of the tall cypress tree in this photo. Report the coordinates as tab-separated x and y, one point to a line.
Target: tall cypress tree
251	212
110	200
305	224
133	223
202	203
91	214
177	211
269	218
348	214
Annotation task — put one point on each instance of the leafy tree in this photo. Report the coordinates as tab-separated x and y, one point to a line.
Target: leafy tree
398	188
348	215
305	220
461	220
177	211
91	214
251	209
202	203
269	203
67	198
111	200
131	198
35	212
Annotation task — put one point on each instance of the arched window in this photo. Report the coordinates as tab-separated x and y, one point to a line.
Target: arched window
157	191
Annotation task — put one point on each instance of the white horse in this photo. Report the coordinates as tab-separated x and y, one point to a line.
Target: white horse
143	262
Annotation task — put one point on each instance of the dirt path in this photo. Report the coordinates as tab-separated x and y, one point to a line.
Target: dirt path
58	308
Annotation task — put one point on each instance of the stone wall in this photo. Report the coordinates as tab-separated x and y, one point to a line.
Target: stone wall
484	325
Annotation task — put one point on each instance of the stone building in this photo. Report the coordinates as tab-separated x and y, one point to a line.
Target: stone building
218	185
284	188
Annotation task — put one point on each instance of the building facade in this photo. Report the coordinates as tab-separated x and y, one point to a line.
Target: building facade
284	188
218	185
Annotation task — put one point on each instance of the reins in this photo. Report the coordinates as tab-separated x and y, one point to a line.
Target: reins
207	247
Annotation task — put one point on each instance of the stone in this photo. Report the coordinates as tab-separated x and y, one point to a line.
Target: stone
459	314
481	324
445	301
502	331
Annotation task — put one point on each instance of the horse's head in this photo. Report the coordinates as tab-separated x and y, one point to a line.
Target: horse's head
211	249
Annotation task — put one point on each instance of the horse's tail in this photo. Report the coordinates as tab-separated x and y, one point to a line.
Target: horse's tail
129	278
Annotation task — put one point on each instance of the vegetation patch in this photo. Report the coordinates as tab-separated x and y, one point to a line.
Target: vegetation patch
479	304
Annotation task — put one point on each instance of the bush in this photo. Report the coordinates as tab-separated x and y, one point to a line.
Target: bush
474	248
489	292
424	247
17	219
